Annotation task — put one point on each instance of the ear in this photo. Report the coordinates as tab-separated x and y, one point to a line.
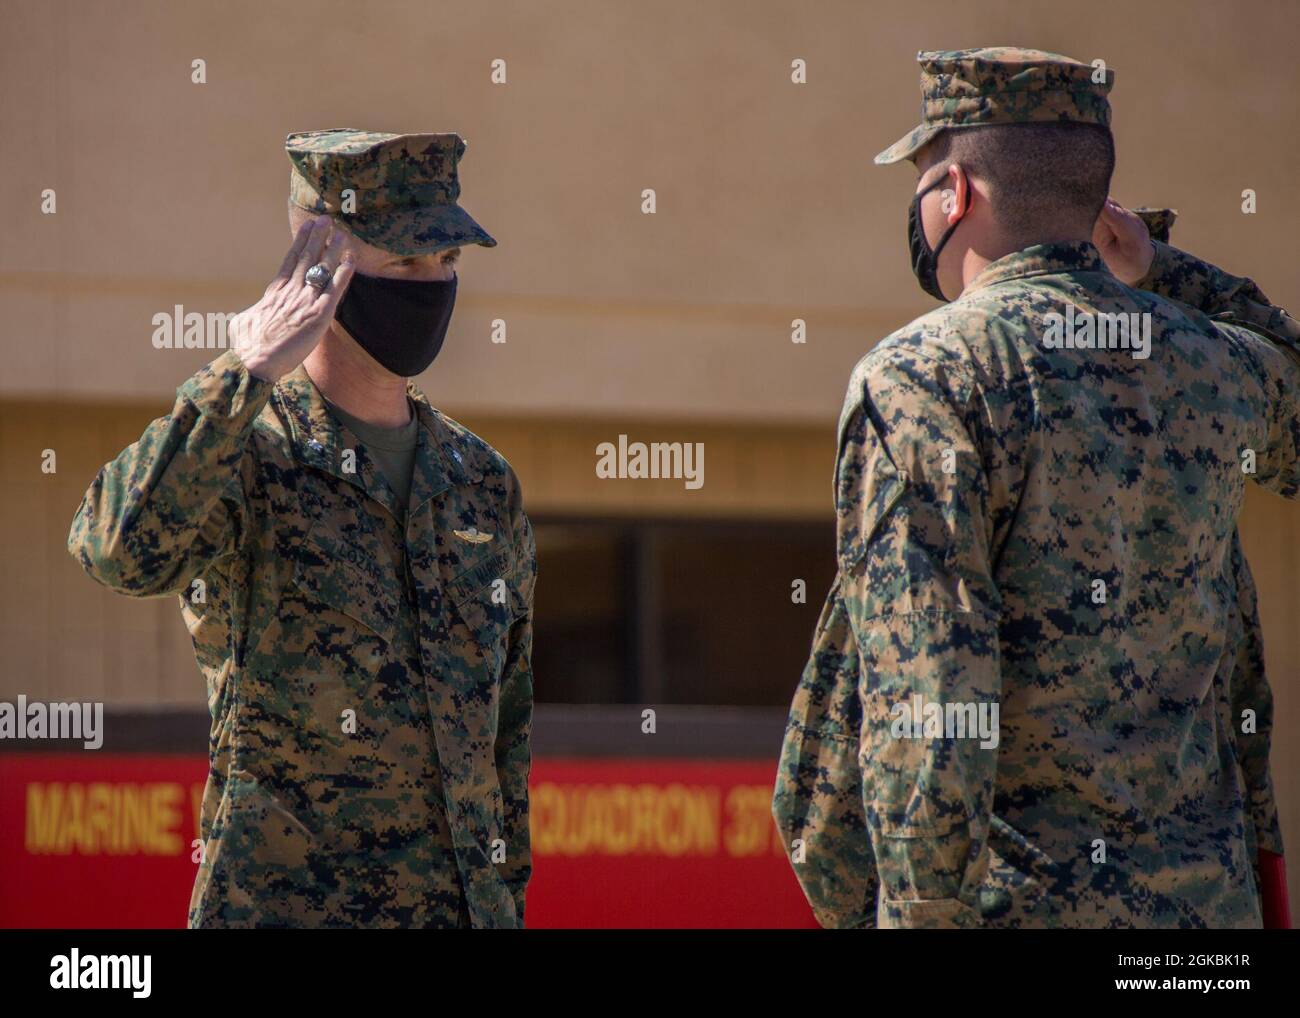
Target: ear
959	184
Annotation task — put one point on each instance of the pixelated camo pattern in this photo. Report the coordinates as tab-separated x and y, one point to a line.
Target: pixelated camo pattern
984	484
405	187
1250	688
317	603
1002	85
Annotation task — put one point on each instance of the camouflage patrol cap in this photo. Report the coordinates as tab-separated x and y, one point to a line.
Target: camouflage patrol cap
1002	85
405	187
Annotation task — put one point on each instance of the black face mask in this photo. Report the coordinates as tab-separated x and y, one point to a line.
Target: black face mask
925	262
401	323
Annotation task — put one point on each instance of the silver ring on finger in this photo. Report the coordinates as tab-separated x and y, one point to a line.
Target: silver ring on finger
320	276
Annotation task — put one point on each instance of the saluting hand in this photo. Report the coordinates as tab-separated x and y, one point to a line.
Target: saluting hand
1124	243
277	333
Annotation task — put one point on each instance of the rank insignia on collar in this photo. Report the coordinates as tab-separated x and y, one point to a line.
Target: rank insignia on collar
473	536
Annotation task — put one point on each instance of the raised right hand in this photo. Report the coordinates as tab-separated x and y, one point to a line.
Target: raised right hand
277	333
1122	239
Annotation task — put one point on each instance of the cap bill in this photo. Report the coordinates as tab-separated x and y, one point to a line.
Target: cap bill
909	144
420	231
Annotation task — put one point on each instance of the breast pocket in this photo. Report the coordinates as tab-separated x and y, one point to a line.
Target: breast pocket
350	577
337	620
485	602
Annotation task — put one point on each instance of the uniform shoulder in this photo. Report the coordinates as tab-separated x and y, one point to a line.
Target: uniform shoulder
937	340
929	356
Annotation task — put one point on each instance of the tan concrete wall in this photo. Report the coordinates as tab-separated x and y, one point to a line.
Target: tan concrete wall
769	206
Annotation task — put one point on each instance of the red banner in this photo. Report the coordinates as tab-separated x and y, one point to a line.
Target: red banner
110	841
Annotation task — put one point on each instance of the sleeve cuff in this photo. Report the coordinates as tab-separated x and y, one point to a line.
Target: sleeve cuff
1163	263
931	914
226	394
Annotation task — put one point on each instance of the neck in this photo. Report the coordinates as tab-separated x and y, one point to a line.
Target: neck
352	380
974	262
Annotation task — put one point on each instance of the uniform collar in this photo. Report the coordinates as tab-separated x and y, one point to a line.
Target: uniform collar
319	440
1040	259
444	458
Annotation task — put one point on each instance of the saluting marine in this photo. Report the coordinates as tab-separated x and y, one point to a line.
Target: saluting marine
355	567
1040	530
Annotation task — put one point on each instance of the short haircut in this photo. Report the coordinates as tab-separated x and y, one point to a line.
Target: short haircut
1040	176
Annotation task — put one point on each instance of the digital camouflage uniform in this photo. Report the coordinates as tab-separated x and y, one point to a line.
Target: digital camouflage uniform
369	682
984	484
1249	689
